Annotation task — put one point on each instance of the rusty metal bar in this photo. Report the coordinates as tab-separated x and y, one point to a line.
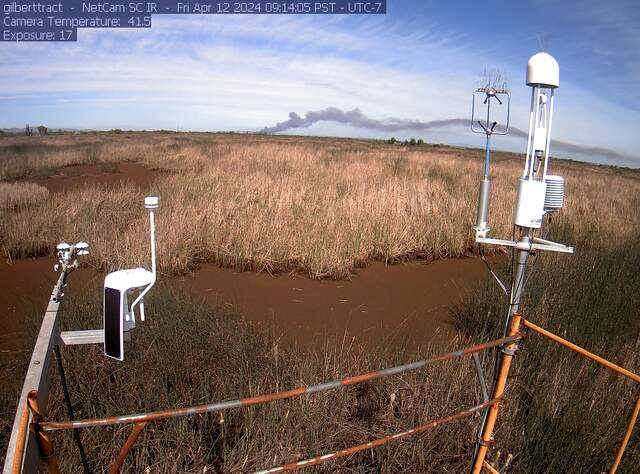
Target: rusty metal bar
380	441
589	355
124	452
270	397
627	436
498	391
21	440
47	452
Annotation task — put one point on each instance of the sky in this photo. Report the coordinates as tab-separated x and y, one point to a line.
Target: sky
421	61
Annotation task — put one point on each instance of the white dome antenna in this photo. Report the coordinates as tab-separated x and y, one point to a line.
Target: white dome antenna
543	70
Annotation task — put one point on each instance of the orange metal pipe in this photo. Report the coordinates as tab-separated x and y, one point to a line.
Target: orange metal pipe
498	392
124	452
490	468
581	351
269	397
627	436
295	466
16	468
47	453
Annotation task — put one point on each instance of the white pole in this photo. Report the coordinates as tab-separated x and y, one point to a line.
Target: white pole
537	116
526	162
152	225
546	152
152	232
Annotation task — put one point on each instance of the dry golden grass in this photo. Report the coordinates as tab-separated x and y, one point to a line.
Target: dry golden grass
325	207
22	194
275	204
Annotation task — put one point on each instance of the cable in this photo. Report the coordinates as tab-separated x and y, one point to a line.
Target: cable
504	288
67	399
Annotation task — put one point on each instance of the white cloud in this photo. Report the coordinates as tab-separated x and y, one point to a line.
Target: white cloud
248	72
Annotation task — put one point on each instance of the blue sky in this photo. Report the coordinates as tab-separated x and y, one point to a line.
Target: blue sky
421	61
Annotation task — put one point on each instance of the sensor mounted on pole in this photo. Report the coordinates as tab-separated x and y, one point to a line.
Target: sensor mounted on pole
119	317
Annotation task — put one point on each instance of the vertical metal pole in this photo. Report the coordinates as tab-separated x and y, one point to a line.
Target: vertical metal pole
517	286
498	391
517	289
487	155
21	441
627	436
47	453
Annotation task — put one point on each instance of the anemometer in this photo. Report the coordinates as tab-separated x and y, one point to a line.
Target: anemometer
502	96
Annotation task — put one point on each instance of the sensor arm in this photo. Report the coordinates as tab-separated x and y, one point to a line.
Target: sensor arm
139	299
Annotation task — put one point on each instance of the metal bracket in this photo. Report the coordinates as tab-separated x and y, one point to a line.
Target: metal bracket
536	244
88	336
510	352
488	444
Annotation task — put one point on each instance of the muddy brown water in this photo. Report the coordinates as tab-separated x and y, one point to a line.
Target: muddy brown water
410	302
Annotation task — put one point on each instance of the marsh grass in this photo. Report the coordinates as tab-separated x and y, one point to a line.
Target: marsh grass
562	414
566	413
326	207
22	194
275	204
216	356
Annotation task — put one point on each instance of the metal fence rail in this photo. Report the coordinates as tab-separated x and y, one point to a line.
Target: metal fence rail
380	441
269	397
610	365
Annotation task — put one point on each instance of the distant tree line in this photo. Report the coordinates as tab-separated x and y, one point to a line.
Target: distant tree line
410	142
42	130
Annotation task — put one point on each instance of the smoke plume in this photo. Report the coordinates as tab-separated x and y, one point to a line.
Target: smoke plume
356	118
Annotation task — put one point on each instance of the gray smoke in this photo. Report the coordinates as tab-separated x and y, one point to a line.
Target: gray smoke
356	118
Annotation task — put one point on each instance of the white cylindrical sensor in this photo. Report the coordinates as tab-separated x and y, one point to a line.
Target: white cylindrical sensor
530	203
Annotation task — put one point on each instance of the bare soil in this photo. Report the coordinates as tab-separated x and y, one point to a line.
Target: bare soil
105	174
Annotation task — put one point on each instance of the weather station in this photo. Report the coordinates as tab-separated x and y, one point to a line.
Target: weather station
539	195
119	317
